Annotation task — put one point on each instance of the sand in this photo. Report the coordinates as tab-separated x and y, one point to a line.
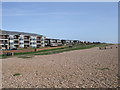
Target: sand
89	68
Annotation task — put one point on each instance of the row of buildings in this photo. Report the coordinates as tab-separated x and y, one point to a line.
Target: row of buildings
15	40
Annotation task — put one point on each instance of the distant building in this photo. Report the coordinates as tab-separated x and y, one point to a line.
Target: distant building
53	42
15	40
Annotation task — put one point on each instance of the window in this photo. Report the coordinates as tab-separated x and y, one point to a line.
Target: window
11	43
10	38
21	43
21	39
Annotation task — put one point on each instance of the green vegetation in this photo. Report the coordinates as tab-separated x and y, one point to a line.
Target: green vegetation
55	50
16	74
103	68
37	51
0	56
25	57
103	45
4	56
60	50
31	48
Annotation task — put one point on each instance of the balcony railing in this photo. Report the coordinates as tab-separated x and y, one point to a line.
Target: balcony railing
2	42
4	38
26	39
16	39
26	43
16	43
38	43
38	39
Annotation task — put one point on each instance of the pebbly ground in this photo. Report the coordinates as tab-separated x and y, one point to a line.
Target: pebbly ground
89	68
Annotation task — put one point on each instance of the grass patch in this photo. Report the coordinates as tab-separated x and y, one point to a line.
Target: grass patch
38	51
4	56
1	56
103	68
103	45
56	50
16	74
25	57
76	47
48	53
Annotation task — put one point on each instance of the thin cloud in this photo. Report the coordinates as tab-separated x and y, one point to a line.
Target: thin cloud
28	12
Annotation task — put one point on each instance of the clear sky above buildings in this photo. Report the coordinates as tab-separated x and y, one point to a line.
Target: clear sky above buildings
86	21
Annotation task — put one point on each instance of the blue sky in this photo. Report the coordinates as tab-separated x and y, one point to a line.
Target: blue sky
86	21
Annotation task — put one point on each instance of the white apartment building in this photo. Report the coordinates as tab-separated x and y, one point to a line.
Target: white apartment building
10	40
15	40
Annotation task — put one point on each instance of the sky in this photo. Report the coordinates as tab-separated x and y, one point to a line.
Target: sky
85	21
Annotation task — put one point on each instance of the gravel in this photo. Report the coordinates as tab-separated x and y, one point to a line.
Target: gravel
89	68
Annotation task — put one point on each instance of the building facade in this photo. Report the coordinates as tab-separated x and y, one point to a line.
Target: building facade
14	40
10	40
53	42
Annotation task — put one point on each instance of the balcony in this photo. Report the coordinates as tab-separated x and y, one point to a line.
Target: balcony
3	36
26	39
16	39
3	39
26	43
21	39
58	41
3	42
38	39
16	43
38	43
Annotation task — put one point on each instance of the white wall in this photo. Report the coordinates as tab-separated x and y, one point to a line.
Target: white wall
21	41
33	41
